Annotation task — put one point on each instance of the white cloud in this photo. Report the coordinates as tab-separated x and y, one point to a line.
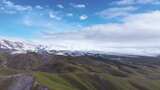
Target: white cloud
38	7
54	16
125	2
45	24
133	2
60	6
78	5
140	30
117	12
10	6
83	17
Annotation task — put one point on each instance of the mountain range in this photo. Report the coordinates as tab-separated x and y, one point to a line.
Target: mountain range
23	47
25	66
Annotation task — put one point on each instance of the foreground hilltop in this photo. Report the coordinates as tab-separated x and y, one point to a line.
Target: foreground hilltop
39	71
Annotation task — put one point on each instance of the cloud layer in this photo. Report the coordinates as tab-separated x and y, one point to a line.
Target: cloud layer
139	30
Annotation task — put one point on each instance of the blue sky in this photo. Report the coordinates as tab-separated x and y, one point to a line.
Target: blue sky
89	20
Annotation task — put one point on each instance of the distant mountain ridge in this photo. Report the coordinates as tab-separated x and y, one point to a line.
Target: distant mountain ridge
38	67
15	47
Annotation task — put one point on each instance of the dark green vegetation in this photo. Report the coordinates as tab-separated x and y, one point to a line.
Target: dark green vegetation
34	71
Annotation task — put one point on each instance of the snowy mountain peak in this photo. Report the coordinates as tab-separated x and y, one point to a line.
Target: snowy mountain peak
6	44
15	47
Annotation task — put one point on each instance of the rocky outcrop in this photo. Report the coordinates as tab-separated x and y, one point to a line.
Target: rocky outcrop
21	82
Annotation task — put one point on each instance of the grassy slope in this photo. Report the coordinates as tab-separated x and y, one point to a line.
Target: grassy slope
53	81
84	81
84	74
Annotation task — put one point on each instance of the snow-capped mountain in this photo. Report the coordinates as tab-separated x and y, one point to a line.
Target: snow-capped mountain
15	47
6	44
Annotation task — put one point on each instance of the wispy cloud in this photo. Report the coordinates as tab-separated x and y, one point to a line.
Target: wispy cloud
117	12
69	14
139	30
53	15
52	23
78	5
60	6
133	2
10	7
83	17
39	7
